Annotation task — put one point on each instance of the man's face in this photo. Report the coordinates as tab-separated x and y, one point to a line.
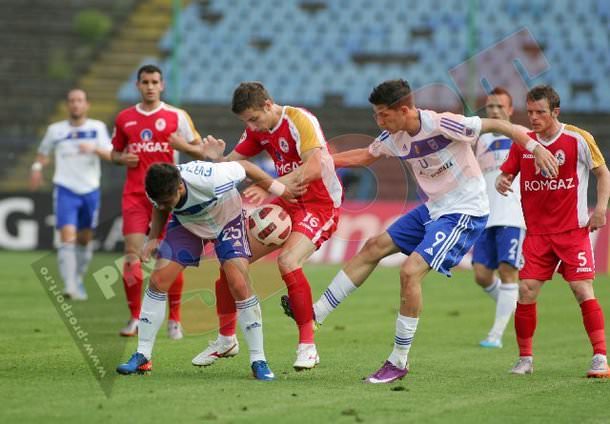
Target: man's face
77	104
498	106
259	119
392	119
168	203
150	86
540	115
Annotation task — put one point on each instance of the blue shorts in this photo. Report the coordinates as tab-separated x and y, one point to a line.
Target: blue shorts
80	210
442	242
186	248
499	244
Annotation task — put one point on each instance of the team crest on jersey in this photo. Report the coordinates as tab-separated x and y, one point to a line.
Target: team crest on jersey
560	155
284	147
146	135
160	124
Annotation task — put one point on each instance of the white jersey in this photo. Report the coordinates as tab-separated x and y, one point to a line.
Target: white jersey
491	151
77	171
211	199
442	160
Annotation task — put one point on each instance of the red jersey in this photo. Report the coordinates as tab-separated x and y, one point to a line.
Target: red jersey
145	134
560	204
297	132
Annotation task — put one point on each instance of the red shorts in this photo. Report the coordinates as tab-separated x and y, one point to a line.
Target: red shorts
137	213
314	221
542	253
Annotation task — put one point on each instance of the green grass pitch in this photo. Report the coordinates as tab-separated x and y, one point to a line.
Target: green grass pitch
44	376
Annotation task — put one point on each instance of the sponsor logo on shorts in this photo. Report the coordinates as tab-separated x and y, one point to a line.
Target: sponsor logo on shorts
584	269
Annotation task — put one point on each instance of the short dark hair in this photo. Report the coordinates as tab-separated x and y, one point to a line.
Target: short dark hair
162	181
392	93
249	95
149	69
501	91
547	92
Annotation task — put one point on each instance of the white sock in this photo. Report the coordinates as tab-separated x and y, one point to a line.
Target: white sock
494	290
83	257
405	332
507	302
66	259
337	291
251	323
151	318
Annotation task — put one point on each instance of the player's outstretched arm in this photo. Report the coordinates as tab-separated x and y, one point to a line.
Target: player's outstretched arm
192	148
36	172
354	158
288	188
545	161
598	218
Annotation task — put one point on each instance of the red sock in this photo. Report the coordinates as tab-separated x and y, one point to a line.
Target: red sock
132	281
175	297
525	326
225	307
301	302
593	318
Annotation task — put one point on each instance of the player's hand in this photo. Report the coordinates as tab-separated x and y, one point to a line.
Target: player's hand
213	148
256	195
504	183
86	148
35	180
130	160
294	184
150	248
545	162
177	141
597	220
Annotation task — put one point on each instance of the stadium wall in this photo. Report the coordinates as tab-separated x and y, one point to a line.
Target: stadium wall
27	223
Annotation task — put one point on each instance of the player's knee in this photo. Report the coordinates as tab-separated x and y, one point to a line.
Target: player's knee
287	262
373	248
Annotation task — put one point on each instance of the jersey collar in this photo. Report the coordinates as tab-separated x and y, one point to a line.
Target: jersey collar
152	112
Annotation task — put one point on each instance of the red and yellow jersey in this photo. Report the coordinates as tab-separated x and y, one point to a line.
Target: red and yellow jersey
556	205
297	132
145	134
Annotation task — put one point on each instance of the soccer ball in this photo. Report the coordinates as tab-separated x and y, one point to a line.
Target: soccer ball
270	224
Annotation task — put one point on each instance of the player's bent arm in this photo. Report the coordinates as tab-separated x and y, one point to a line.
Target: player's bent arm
311	169
159	218
598	218
544	159
354	158
129	160
234	156
261	178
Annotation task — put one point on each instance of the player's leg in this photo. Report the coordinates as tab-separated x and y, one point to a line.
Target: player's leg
539	263
577	267
507	245
249	314
445	242
484	262
87	222
66	204
403	235
295	251
136	218
152	315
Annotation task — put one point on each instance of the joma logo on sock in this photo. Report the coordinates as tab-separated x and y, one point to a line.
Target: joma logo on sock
253	325
145	320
